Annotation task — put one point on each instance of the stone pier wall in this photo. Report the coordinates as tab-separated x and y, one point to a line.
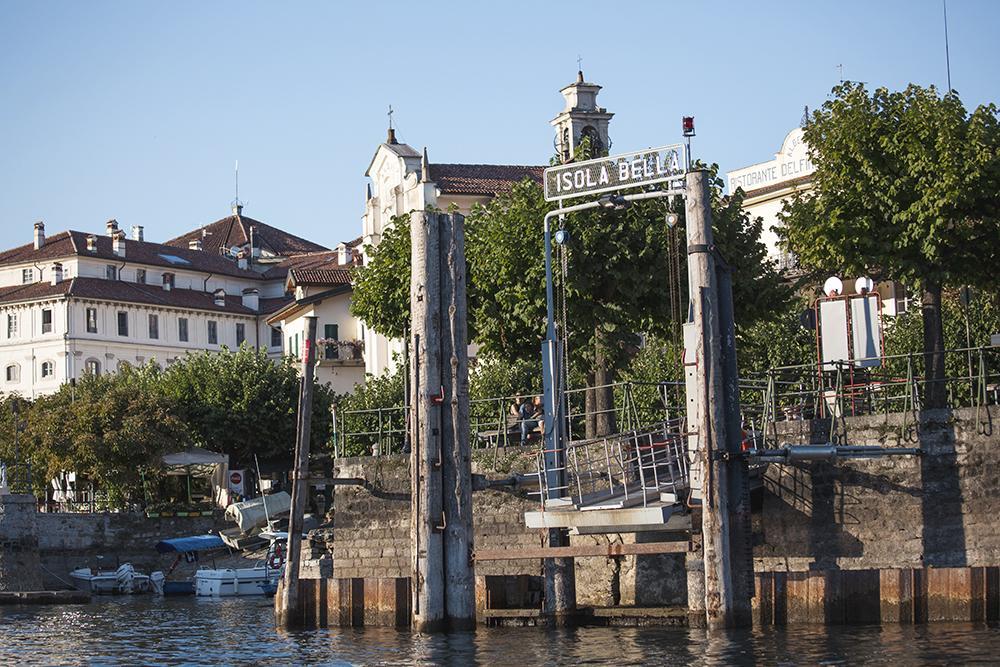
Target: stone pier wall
19	562
67	541
370	538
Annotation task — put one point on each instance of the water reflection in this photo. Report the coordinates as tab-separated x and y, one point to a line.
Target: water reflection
154	631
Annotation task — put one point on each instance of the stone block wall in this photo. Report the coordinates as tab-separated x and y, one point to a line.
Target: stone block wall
370	538
936	510
67	541
19	562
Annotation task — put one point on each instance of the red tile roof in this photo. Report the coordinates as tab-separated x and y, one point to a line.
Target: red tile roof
73	243
315	268
123	292
481	179
235	231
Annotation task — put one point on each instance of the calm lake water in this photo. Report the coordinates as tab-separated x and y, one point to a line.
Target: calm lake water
154	631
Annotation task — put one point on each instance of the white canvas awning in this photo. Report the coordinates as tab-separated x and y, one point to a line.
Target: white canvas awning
195	457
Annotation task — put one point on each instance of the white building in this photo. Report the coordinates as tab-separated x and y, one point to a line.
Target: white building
321	286
76	302
402	180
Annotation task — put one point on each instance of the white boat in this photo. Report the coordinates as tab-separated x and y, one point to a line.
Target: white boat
123	581
239	581
258	580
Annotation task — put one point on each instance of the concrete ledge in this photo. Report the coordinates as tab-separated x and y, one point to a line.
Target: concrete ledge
43	597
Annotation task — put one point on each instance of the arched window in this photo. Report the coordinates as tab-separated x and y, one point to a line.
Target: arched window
92	367
13	373
48	369
596	145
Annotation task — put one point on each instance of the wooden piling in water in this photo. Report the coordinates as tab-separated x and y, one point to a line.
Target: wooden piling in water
287	601
440	457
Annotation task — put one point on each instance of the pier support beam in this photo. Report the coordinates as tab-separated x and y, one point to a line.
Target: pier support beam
440	457
287	602
726	601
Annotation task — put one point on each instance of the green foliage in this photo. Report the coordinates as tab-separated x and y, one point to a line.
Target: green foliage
776	341
373	406
905	188
381	297
904	333
492	377
242	403
111	429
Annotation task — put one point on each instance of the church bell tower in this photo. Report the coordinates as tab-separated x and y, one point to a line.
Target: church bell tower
581	118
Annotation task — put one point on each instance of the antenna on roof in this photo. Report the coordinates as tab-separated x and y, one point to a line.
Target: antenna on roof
236	203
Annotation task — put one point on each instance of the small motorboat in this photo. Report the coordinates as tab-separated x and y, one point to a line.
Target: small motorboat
262	579
122	581
188	549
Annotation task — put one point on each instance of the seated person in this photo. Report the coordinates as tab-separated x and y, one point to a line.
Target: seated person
531	417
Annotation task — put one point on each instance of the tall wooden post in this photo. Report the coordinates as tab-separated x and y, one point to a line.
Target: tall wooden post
440	455
426	457
288	609
460	583
710	422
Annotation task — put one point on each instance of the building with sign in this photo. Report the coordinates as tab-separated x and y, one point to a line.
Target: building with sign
402	179
768	185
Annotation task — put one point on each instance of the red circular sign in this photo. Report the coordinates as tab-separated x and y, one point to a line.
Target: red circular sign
235	479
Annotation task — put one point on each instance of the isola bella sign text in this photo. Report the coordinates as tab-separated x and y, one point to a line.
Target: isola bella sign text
617	172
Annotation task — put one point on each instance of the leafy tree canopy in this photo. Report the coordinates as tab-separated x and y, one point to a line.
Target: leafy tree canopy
243	403
905	188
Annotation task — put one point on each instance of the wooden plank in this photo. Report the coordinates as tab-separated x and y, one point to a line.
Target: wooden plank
606	551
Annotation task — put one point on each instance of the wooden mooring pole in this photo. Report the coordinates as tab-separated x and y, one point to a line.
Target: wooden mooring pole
287	602
441	539
724	601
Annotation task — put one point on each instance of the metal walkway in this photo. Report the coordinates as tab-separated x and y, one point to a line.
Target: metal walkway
626	482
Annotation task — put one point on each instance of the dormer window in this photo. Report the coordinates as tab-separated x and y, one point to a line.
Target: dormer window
111	272
27	276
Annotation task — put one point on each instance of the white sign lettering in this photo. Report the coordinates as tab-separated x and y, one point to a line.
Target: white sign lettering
617	172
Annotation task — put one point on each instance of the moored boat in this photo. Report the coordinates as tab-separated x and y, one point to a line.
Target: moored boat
122	581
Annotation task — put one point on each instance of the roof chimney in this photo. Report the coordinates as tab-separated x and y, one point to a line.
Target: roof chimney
137	233
118	242
391	139
219	297
194	244
251	298
91	242
254	242
112	226
343	254
237	209
57	273
39	234
168	281
241	260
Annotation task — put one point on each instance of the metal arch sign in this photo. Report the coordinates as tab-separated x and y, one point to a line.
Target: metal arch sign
616	172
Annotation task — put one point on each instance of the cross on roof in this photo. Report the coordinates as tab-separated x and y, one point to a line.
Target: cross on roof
390	116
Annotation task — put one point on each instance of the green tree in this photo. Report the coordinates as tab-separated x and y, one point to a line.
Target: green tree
373	412
616	282
905	189
242	403
112	429
381	296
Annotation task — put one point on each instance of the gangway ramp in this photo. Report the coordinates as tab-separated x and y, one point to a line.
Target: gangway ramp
626	482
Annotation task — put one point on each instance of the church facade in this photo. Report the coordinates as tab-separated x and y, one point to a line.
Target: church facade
402	179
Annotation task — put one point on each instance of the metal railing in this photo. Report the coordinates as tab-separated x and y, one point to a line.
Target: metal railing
842	389
783	393
628	469
16	477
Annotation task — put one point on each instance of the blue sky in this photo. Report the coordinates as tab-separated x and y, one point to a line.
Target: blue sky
138	110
